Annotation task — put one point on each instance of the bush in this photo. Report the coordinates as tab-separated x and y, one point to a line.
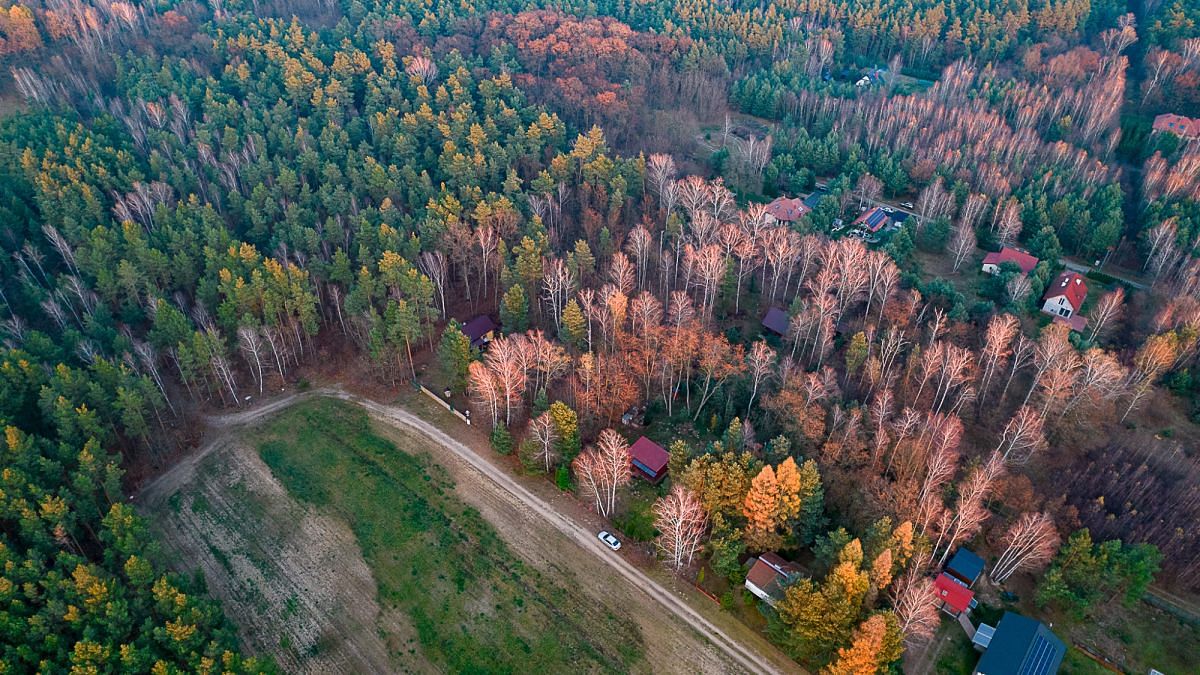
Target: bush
637	523
562	478
1101	277
527	452
502	441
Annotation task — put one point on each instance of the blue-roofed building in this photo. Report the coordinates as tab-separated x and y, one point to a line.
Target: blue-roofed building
965	566
1021	646
813	199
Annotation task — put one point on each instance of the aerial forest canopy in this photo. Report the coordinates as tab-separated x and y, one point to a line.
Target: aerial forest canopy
200	201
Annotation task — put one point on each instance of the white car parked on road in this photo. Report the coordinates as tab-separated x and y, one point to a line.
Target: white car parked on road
609	540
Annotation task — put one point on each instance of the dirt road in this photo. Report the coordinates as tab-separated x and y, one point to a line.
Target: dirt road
730	653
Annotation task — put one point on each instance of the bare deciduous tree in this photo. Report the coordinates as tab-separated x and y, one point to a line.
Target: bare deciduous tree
760	362
916	603
604	469
962	245
1108	309
251	346
1023	436
1030	541
544	436
681	521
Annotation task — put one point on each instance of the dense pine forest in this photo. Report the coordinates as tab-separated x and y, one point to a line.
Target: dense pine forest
202	202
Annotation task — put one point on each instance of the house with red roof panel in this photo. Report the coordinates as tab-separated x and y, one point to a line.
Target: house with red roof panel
993	261
787	210
1065	295
649	459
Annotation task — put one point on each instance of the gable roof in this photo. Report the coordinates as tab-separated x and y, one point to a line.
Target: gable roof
650	455
478	327
776	320
780	565
965	565
1020	258
874	219
955	595
1021	646
770	572
1071	285
787	210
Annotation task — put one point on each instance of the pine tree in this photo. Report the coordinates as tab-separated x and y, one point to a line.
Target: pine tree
454	355
679	456
514	310
566	428
574	325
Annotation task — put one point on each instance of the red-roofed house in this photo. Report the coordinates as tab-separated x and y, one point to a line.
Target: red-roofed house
954	596
1179	125
768	575
785	210
1065	295
649	459
873	220
992	261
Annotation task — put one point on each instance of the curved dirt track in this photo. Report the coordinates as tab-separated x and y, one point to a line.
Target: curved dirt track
728	654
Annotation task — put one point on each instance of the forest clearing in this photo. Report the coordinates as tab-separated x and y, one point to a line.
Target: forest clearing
264	517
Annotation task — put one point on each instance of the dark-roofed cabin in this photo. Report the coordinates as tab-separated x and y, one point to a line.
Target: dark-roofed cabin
480	330
649	459
776	321
1021	646
965	566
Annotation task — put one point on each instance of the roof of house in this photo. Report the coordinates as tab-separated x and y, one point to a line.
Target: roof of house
1021	646
1177	124
1020	258
983	635
787	209
874	219
769	572
965	565
1071	285
813	199
776	320
478	327
649	454
951	591
780	565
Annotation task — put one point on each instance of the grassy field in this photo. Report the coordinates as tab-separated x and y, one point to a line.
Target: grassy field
1138	638
473	605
